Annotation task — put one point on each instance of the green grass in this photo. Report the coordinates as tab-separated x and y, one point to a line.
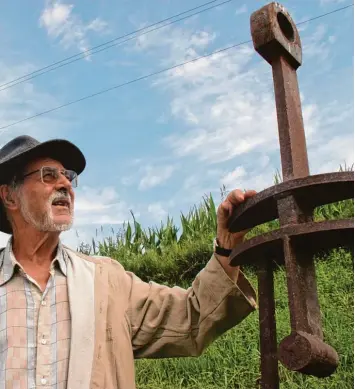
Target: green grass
232	361
173	255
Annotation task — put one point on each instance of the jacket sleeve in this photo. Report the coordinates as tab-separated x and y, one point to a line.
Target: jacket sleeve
174	322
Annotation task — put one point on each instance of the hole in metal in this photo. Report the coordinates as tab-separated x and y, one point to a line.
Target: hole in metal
285	26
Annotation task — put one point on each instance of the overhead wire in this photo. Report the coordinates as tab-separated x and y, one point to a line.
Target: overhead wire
111	43
153	74
326	14
125	83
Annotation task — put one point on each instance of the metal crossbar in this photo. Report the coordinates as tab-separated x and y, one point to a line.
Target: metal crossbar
299	238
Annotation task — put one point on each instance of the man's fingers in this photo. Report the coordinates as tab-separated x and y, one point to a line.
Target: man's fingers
224	212
249	193
235	197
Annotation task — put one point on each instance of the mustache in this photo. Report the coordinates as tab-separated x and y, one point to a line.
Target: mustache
60	196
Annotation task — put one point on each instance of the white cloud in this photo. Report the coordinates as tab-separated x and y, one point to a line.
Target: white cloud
55	15
257	180
231	105
332	39
328	155
257	174
99	207
97	25
226	102
26	100
155	175
61	23
178	44
231	179
190	182
318	45
241	10
157	211
73	238
127	180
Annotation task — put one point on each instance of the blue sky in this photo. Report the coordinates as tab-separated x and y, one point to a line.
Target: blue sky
158	145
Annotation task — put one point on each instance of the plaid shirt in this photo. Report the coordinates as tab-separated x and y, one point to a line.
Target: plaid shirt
34	325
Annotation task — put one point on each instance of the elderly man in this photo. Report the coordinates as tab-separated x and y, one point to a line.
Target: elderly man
77	322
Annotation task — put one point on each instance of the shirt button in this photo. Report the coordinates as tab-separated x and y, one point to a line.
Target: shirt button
43	303
43	341
43	381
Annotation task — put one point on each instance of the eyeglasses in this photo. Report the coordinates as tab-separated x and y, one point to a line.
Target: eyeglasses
50	175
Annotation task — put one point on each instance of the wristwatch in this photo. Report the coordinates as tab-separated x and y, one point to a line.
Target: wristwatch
217	249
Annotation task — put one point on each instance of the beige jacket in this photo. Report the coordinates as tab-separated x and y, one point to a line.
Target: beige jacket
116	317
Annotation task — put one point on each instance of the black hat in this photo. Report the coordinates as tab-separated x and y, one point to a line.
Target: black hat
20	151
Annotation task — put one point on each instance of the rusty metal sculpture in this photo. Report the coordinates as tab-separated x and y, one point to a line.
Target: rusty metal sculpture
299	238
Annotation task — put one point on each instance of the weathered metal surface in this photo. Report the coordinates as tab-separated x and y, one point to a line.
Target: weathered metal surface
268	339
275	34
305	353
276	38
312	191
317	237
294	159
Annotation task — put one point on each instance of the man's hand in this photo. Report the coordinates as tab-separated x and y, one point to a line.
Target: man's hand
225	238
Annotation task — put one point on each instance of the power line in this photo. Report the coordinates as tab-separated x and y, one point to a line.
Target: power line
107	45
124	84
152	74
326	14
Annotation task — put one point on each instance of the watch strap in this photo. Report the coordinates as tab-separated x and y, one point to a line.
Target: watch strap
220	250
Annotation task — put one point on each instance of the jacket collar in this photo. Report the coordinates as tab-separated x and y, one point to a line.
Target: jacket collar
9	264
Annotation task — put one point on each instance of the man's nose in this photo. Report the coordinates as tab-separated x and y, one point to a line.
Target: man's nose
64	183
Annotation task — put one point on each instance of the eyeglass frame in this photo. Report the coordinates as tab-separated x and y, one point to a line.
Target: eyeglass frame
60	171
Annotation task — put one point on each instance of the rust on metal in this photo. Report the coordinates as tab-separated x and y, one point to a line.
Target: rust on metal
316	236
300	350
314	191
302	289
294	244
268	337
275	34
276	39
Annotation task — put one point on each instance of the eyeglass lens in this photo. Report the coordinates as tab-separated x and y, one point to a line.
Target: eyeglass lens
50	175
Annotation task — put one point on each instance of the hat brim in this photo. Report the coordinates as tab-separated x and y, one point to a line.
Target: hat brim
60	150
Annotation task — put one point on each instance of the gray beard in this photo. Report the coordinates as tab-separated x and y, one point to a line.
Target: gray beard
45	223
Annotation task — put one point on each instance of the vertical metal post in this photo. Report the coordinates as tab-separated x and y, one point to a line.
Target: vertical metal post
267	324
276	38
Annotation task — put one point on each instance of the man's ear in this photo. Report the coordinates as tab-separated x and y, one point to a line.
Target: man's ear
7	197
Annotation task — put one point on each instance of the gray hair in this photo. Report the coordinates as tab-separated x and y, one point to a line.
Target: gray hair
14	185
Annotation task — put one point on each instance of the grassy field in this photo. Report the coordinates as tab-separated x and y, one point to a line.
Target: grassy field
233	360
173	256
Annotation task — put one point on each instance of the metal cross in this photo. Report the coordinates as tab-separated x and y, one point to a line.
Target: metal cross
299	238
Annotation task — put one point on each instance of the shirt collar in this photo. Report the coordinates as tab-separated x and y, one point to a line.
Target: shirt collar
8	262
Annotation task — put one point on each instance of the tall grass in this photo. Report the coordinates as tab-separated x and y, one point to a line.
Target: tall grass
232	361
173	255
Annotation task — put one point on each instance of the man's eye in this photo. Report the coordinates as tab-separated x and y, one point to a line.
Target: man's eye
49	175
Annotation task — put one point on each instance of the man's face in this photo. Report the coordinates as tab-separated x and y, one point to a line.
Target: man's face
47	207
